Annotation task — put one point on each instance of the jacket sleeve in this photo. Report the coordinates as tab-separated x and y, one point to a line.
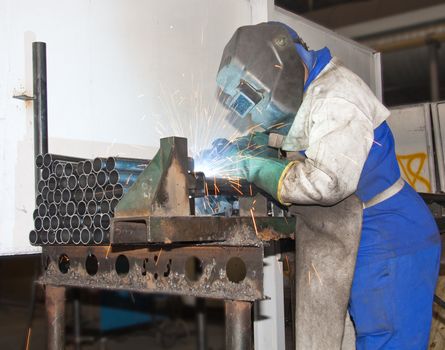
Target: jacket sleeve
340	137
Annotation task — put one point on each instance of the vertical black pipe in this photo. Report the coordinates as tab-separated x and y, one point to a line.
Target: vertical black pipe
201	324
40	103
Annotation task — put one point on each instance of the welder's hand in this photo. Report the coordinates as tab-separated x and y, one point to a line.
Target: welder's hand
265	172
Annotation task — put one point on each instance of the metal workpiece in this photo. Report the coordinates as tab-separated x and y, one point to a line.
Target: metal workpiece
200	186
55	312
126	164
177	229
203	271
238	324
162	188
40	103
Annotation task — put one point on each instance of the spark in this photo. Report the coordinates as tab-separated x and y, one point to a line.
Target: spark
278	66
349	158
215	185
309	276
108	251
237	190
374	141
159	256
250	190
28	338
254	222
316	272
206	189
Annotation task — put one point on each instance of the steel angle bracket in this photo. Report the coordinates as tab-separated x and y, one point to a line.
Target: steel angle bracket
229	273
162	188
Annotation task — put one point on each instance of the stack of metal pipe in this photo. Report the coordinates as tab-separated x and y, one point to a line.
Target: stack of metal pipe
77	197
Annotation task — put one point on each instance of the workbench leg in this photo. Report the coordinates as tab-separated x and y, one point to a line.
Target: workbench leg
201	324
238	325
55	312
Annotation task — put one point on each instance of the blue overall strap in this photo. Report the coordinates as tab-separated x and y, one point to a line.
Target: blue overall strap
315	61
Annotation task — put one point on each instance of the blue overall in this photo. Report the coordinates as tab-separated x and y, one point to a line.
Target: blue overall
398	257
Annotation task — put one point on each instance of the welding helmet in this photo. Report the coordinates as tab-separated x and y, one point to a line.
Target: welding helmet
261	74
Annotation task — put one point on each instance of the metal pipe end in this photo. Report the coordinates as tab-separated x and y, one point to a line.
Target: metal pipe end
47	159
98	235
39	161
110	164
87	167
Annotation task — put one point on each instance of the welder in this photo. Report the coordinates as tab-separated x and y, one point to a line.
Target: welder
326	141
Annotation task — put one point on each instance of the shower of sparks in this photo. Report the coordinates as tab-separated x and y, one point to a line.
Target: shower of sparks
237	190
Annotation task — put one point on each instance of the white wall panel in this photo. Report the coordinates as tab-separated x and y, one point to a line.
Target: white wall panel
121	74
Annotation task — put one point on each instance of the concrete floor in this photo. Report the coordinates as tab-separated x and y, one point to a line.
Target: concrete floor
172	335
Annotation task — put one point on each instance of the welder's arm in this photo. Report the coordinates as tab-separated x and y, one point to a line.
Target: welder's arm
339	142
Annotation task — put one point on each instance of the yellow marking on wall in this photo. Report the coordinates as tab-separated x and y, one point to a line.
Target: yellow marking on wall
411	166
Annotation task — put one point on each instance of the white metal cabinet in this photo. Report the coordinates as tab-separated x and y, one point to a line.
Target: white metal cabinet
412	129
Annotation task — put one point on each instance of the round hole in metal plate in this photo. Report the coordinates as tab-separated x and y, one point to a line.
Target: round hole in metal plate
64	263
236	270
122	265
91	264
193	269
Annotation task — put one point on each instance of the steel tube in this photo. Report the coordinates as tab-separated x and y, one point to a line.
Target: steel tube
52	183
123	177
114	202
51	237
46	223
81	208
57	196
102	178
65	236
34	237
67	195
76	236
87	167
44	237
105	206
109	192
88	194
88	221
43	209
98	235
105	221
96	221
39	200
78	195
99	164
40	105
52	209
83	181
91	180
99	194
41	184
59	170
85	236
127	164
238	325
35	214
55	311
68	169
75	221
92	207
46	173
80	168
72	182
63	208
71	208
55	223
38	223
39	161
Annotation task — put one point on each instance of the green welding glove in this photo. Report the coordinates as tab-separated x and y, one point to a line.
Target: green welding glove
265	172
